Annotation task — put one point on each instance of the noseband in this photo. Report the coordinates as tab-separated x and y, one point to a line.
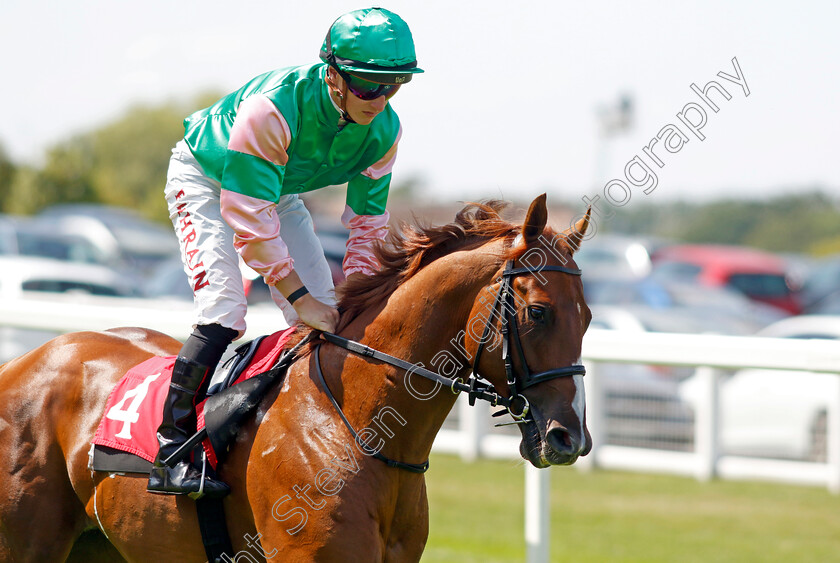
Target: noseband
511	341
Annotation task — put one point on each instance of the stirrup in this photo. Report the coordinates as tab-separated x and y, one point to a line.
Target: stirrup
200	493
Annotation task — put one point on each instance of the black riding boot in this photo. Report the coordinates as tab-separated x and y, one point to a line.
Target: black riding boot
179	424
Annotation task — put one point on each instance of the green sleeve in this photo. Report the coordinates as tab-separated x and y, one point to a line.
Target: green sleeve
366	196
252	176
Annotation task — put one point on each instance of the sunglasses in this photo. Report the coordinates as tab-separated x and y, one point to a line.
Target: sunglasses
366	90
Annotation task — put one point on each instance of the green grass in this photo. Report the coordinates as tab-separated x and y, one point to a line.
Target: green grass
477	515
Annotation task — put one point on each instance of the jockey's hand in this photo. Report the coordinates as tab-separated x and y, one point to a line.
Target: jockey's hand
312	312
318	315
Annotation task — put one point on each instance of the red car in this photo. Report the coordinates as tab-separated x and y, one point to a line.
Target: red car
759	275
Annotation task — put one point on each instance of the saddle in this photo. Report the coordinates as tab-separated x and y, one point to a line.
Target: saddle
125	441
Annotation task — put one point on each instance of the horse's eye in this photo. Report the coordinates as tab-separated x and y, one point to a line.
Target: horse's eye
536	313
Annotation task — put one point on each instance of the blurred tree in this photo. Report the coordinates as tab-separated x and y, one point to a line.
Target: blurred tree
130	158
122	163
825	247
22	192
804	222
795	223
64	178
723	222
7	174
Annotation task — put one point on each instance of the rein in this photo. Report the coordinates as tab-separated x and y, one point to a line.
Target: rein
475	388
412	467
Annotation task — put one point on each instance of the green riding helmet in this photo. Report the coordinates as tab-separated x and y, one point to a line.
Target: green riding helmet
374	44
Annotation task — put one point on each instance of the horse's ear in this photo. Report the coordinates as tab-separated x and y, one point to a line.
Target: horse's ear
574	235
535	220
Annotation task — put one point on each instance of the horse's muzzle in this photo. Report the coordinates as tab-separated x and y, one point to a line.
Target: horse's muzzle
552	444
563	448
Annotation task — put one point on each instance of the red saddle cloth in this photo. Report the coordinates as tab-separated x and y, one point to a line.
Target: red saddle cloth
134	408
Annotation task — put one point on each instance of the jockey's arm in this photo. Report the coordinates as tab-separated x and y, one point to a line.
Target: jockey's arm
254	170
365	215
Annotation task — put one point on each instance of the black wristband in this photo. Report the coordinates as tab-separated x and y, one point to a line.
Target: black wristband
297	294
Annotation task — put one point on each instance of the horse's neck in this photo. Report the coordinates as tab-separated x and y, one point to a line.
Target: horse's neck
423	323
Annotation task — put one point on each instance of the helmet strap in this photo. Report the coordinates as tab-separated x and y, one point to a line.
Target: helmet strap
341	94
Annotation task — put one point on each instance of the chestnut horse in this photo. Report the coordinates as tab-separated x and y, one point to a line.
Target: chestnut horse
302	488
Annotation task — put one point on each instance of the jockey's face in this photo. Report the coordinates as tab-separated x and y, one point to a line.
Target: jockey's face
361	111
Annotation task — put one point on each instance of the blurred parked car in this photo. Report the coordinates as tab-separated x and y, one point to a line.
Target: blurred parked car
671	306
614	257
168	280
125	238
820	292
27	237
759	275
29	277
22	274
778	413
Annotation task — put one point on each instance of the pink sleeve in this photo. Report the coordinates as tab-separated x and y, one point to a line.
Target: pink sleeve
385	164
260	130
256	238
365	230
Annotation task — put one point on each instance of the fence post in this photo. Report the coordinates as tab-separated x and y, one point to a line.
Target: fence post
832	440
537	515
706	422
471	423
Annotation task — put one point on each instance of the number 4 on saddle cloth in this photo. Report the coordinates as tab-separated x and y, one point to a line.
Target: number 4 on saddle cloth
126	440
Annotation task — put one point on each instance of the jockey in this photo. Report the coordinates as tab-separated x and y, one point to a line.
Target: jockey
232	190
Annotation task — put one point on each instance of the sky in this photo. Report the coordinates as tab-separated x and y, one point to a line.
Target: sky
512	101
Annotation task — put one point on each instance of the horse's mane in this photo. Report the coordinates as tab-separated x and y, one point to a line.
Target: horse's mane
411	247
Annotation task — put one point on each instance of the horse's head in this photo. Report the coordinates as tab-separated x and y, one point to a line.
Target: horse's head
525	319
525	336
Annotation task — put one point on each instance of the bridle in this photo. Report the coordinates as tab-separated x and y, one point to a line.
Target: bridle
511	340
516	403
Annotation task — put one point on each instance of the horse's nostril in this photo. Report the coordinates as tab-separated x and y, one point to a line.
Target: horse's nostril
560	440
